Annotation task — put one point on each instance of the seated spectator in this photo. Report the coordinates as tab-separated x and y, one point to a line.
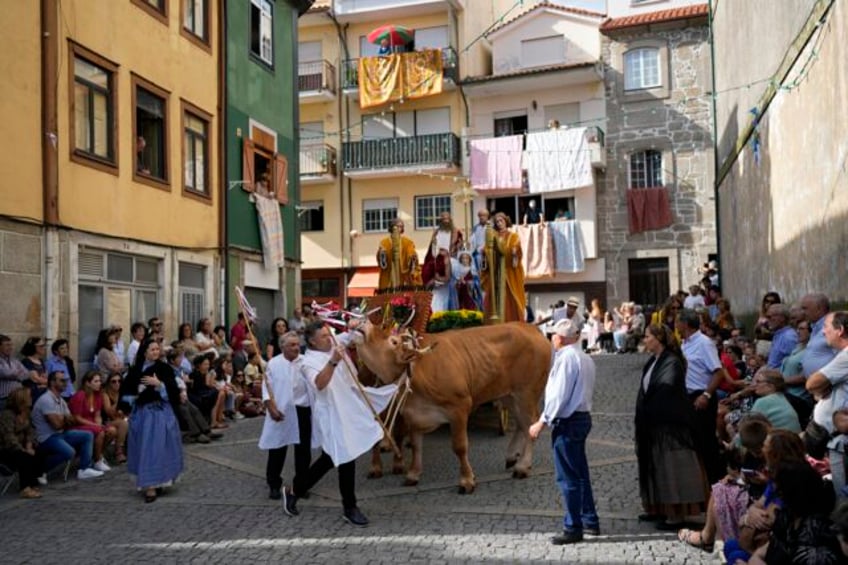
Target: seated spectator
17	447
194	426
87	408
801	534
254	372
106	360
221	345
771	402
60	360
606	340
205	338
816	439
250	405
33	354
624	321
12	371
695	300
186	341
114	416
137	333
762	331
223	378
53	423
204	394
730	497
784	338
791	369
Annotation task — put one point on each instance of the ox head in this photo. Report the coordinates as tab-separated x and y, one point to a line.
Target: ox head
385	352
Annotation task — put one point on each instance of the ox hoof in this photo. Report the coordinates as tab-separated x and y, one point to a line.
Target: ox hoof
398	470
466	489
375	474
510	462
520	473
410	482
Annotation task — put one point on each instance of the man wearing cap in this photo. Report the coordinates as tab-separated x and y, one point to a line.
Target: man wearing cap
571	306
568	403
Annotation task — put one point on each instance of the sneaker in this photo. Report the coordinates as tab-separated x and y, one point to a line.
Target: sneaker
596	531
90	473
289	503
355	517
239	416
566	538
42	480
102	466
202	438
276	494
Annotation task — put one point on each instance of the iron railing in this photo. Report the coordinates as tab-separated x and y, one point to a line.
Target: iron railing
317	159
432	149
450	68
316	76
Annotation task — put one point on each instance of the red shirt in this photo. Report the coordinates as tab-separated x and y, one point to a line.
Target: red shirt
237	336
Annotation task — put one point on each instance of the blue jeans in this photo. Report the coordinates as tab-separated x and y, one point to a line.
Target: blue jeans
62	447
572	471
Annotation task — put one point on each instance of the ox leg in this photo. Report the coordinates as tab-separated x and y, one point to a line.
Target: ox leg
376	470
514	449
526	413
413	475
459	437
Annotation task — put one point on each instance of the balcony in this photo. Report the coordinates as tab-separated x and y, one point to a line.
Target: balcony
316	81
450	67
399	156
317	163
364	10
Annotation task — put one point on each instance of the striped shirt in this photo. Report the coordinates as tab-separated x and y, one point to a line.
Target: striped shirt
12	372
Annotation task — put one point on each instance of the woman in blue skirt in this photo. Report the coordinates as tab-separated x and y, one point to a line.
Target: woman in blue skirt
155	454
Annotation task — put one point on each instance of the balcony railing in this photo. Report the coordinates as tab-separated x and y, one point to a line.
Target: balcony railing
316	76
317	160
450	68
433	149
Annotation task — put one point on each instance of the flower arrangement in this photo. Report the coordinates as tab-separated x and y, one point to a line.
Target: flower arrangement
454	319
403	308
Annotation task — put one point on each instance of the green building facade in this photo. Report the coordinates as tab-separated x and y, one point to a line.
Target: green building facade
260	141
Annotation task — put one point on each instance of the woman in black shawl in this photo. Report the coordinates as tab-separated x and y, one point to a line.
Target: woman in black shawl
671	478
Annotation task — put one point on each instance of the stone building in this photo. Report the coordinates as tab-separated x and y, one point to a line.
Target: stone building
782	181
656	211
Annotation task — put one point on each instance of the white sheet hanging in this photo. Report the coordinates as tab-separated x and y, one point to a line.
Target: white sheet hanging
569	251
558	159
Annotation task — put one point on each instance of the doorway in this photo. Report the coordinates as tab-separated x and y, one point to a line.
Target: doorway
648	281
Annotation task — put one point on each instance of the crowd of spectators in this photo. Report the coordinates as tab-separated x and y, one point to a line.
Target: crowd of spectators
136	404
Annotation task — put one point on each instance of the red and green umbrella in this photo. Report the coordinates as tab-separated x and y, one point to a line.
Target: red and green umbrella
397	35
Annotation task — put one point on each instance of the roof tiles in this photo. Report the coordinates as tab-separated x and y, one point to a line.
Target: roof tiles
694	11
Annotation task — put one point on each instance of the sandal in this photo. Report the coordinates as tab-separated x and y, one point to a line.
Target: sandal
687	536
149	496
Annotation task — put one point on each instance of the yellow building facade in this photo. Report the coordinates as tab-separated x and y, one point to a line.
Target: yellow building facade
127	95
361	167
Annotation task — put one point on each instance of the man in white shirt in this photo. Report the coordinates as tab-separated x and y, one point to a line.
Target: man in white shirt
137	331
568	406
280	428
344	426
695	300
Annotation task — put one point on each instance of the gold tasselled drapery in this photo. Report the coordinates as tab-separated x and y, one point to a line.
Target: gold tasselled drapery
400	76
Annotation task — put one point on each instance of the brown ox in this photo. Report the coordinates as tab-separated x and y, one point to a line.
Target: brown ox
466	368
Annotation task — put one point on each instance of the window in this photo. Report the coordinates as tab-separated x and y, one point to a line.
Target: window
648	281
113	289
311	216
386	125
262	169
377	214
262	30
510	125
642	68
192	279
195	150
543	51
646	169
196	20
156	8
428	209
151	133
431	37
93	110
323	288
565	114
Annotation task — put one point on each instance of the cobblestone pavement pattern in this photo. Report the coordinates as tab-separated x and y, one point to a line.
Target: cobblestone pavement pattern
220	512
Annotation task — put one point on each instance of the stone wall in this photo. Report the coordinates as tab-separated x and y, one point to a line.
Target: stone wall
20	280
784	217
676	120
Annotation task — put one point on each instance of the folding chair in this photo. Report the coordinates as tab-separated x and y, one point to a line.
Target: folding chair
8	476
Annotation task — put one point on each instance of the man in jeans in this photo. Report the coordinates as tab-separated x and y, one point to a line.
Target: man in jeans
568	403
52	422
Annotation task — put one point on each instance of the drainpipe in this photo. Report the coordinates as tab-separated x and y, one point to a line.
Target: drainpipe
223	167
716	191
50	163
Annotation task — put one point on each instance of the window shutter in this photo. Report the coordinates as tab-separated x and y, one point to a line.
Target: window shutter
247	165
281	178
90	265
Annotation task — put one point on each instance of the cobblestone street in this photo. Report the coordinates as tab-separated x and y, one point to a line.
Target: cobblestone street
220	512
